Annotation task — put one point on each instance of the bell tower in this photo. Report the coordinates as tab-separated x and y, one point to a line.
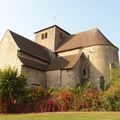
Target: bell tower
51	37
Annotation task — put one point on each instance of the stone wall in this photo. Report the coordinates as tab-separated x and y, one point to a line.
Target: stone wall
81	65
71	52
100	58
60	36
67	78
34	76
8	53
62	78
47	42
53	78
54	37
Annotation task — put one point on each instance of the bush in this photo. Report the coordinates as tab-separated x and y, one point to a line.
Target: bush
114	75
17	98
111	97
89	100
37	93
65	100
12	88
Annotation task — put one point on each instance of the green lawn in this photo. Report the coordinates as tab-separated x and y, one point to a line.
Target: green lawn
64	116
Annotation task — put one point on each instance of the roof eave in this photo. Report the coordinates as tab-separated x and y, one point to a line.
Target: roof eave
70	68
35	56
59	51
33	67
52	27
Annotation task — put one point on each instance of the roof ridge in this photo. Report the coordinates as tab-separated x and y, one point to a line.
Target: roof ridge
51	27
18	34
30	47
90	30
27	39
84	39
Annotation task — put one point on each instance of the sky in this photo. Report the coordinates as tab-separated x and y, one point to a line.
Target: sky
28	16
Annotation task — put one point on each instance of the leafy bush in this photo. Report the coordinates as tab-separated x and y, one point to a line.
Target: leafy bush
16	97
114	75
65	100
111	97
12	88
37	93
89	100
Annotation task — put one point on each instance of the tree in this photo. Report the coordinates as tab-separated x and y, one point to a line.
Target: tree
12	88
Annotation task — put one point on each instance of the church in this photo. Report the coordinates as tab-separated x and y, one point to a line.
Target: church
57	58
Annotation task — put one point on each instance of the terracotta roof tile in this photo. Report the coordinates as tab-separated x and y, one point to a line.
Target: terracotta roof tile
32	64
85	39
31	47
52	27
64	62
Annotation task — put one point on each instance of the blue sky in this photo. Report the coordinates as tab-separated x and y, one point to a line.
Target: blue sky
27	16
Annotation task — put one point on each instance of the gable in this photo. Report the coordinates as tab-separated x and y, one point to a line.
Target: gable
8	49
31	47
8	40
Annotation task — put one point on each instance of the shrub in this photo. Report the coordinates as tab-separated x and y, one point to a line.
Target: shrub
12	88
37	93
89	100
114	75
111	97
65	100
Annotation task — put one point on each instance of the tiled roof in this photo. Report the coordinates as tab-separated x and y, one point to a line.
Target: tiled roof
32	64
85	39
52	27
63	62
31	47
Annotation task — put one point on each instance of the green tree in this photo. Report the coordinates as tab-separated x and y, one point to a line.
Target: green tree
115	75
12	88
111	97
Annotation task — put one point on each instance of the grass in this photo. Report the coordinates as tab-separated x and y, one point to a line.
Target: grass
64	116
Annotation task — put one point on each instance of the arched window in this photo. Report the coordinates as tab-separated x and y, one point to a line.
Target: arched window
102	83
84	72
45	35
42	36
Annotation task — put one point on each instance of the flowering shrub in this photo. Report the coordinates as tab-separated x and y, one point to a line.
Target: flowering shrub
111	98
65	100
89	100
81	98
37	93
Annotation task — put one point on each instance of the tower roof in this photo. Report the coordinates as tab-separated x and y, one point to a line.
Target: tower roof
52	27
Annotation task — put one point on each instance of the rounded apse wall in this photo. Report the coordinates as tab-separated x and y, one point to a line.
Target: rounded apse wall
101	58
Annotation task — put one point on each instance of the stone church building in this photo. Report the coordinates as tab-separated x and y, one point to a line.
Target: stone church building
58	58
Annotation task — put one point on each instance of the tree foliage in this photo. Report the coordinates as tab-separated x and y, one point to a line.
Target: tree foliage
12	86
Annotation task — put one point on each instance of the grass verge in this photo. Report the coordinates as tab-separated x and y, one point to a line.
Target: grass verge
64	116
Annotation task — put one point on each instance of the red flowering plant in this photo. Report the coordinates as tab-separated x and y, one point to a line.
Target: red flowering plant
66	100
89	100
